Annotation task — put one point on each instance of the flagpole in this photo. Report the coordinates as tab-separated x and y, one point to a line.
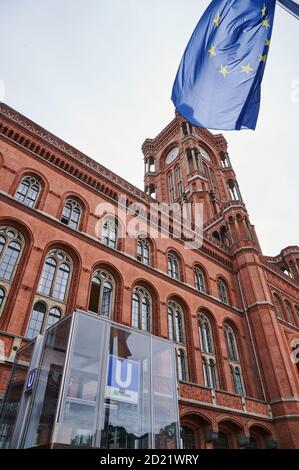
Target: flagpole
288	10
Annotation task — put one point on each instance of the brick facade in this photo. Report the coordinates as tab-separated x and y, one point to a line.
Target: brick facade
261	307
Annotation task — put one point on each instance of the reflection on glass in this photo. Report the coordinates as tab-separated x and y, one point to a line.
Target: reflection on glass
13	395
79	411
127	392
45	401
165	426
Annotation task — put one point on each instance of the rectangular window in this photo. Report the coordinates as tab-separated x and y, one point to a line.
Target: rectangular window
179	182
170	188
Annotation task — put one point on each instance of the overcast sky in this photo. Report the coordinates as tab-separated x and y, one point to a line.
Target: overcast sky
99	75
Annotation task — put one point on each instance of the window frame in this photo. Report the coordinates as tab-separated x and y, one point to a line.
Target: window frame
104	277
33	180
172	260
223	291
234	360
61	258
208	351
68	220
198	272
112	227
143	243
142	294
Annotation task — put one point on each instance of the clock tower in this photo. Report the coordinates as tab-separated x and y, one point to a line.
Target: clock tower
188	164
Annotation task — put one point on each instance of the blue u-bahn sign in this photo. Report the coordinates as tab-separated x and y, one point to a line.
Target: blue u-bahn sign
123	380
30	380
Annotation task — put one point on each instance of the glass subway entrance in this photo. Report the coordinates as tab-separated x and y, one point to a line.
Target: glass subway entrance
97	384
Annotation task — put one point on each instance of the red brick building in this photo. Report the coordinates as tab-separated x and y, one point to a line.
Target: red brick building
232	312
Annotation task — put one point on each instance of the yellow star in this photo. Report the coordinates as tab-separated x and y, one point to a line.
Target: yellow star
267	42
217	20
263	58
264	9
223	70
212	51
266	23
247	69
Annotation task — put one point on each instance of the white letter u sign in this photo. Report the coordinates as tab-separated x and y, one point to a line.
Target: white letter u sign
128	380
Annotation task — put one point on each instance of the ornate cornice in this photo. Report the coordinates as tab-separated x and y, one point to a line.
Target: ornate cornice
59	144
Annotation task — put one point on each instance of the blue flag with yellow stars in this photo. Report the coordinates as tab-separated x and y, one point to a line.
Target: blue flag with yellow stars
218	84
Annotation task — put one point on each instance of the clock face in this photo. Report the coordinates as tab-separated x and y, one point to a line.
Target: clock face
204	154
172	155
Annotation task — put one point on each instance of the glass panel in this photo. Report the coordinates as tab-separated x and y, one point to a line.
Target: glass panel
165	425
106	300
170	325
208	342
41	421
205	373
61	282
179	327
54	316
13	395
135	310
36	320
237	381
46	280
127	395
145	320
74	222
181	365
213	373
79	409
9	260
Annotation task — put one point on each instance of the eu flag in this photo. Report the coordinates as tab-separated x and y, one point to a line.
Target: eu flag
218	84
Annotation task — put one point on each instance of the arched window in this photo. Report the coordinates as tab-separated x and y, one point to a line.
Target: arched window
101	297
175	322
290	318
2	297
54	316
173	266
143	250
222	442
233	358
208	352
278	307
297	312
71	214
187	438
199	280
28	191
141	309
42	318
55	276
222	291
11	243
181	365
110	233
234	191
